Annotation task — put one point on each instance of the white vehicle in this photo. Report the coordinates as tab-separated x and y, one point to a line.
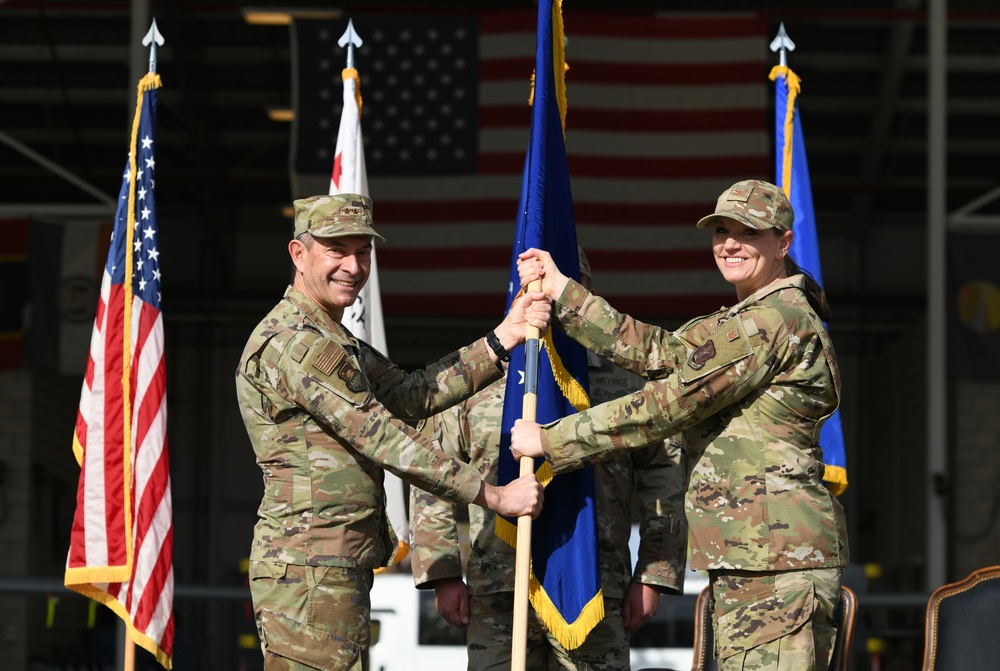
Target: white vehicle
408	633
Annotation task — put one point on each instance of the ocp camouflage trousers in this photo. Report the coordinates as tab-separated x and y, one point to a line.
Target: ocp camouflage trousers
779	621
312	618
490	637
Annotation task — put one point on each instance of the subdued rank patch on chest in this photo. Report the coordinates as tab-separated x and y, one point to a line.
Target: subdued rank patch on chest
702	355
351	376
326	361
733	335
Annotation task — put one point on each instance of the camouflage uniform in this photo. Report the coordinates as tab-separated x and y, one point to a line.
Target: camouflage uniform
321	409
471	432
750	387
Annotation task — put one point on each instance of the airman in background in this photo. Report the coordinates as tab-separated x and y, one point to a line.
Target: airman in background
485	599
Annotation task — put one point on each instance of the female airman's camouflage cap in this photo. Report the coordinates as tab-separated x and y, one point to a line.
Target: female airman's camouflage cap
334	216
753	202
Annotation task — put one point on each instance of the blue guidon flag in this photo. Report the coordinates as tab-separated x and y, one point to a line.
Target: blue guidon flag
564	585
793	176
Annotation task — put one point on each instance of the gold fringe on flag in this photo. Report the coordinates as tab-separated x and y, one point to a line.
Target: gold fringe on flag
570	635
794	86
559	65
402	549
835	478
352	73
570	388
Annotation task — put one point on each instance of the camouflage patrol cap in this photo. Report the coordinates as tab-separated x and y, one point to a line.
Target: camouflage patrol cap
753	202
334	216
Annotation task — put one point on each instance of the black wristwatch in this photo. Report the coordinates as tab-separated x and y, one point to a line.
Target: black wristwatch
494	343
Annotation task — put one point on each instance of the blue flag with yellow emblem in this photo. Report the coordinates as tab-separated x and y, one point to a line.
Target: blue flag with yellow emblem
564	586
793	177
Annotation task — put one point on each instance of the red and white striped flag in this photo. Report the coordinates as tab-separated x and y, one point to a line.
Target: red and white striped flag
121	544
665	112
364	318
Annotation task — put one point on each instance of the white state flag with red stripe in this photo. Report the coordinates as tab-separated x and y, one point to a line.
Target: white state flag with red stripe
121	542
364	318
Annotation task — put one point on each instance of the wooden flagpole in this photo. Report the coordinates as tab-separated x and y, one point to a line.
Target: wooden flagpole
522	557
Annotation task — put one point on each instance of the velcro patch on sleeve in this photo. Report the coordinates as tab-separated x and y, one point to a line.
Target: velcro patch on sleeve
719	351
351	376
328	358
299	350
329	364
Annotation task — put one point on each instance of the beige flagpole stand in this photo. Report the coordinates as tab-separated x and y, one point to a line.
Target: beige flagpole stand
522	560
129	653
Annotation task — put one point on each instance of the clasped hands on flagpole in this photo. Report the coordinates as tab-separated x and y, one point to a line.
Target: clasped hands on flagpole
536	268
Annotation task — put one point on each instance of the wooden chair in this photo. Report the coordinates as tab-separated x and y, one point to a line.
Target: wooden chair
960	630
704	646
845	615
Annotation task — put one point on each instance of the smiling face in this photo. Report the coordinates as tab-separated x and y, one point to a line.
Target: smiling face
332	271
749	258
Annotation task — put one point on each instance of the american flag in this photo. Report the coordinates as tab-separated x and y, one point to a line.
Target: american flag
664	112
121	544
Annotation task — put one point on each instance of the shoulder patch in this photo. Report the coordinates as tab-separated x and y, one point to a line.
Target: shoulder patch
351	376
333	367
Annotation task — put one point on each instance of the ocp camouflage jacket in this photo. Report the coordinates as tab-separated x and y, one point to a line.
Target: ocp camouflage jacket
750	387
471	432
325	413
